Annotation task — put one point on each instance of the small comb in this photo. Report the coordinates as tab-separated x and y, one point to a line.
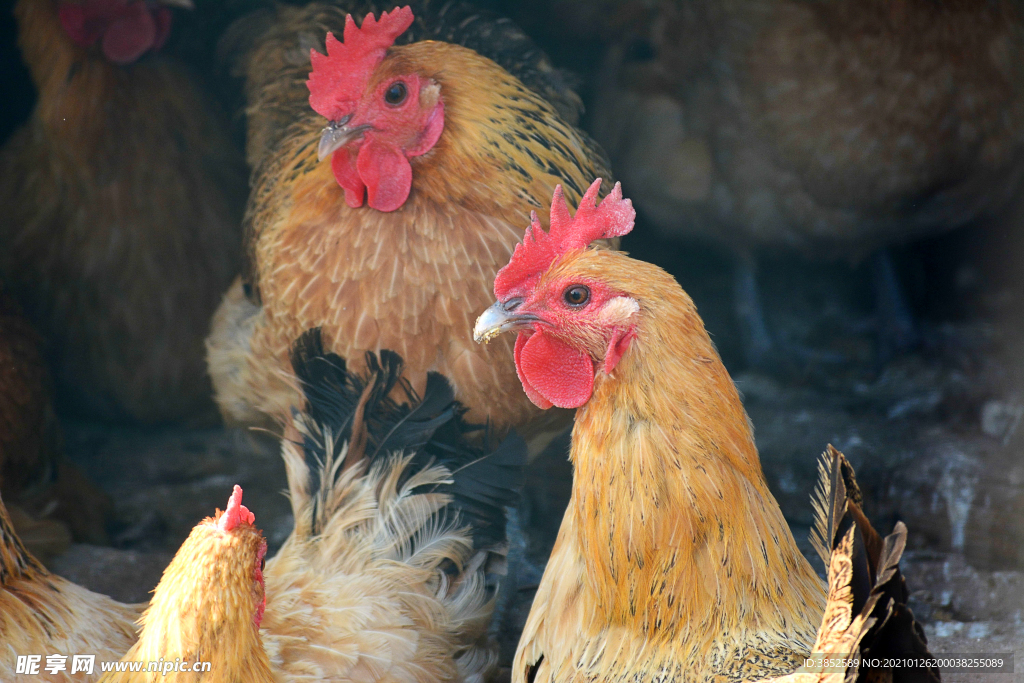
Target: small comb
613	217
236	513
339	77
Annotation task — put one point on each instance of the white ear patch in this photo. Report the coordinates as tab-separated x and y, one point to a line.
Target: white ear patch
618	310
430	94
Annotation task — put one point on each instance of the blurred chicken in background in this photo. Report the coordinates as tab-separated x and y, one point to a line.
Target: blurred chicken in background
47	496
834	128
121	200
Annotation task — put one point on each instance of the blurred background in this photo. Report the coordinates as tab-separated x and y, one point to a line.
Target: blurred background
839	186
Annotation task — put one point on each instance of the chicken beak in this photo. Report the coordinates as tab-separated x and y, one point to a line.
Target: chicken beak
500	318
338	134
183	4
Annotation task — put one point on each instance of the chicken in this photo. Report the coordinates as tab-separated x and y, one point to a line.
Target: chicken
35	479
399	531
207	608
122	200
386	194
833	128
673	560
43	614
28	443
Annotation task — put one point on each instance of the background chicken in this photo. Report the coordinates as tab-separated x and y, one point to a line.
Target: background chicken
673	558
441	125
33	472
121	199
208	606
43	614
834	128
399	529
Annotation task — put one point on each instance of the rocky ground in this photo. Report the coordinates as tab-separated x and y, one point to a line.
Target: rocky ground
936	437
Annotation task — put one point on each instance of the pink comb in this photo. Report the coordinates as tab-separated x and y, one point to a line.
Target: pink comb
338	78
612	218
236	513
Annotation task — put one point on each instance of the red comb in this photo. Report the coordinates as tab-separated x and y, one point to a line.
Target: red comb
612	218
236	513
338	78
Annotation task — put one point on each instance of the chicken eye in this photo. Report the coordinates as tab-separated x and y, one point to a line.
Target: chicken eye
263	563
577	295
395	94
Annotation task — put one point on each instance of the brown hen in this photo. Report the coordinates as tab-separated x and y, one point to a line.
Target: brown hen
487	131
121	199
834	128
35	479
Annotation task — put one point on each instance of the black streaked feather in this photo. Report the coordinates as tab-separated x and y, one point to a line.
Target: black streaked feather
876	581
430	428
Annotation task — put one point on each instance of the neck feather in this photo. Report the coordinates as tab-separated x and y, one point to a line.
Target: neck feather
675	521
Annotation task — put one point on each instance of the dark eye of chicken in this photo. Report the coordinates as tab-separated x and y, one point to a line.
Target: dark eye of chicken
577	295
396	93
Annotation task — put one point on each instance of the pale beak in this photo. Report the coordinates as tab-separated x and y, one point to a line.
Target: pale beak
183	4
501	318
338	134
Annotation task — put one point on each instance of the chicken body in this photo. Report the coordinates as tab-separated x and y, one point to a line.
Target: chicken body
385	577
673	560
42	614
34	478
834	128
360	601
408	280
207	607
121	199
28	447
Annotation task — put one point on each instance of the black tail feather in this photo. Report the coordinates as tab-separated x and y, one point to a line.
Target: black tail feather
431	428
876	579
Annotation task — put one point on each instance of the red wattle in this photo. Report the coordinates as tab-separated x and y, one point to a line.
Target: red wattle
556	372
343	163
531	393
130	35
387	174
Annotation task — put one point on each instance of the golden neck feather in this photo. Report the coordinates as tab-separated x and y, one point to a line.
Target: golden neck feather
675	521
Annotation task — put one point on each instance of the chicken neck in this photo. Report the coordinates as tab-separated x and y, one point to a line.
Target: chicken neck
674	520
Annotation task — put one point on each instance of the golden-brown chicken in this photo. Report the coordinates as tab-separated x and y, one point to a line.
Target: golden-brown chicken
386	576
42	614
386	227
835	128
203	623
673	560
121	199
